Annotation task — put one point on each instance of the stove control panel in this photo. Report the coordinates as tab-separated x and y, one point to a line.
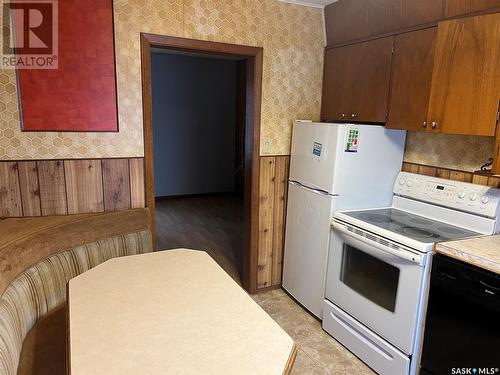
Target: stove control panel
478	199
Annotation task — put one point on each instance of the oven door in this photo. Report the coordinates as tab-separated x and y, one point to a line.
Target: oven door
376	281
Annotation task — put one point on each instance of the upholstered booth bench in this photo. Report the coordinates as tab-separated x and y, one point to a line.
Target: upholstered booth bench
38	256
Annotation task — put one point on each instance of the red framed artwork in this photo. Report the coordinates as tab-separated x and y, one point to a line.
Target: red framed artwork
77	93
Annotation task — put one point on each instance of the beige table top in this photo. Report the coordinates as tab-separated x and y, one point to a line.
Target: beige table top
170	312
482	252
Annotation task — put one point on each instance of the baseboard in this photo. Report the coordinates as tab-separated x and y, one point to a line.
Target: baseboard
201	195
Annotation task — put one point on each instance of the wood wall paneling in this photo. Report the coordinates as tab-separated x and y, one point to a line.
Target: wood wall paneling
443	173
52	187
463	176
453	8
30	191
274	172
116	183
60	187
411	80
10	193
465	89
410	168
480	180
84	186
427	170
137	197
279	216
266	220
494	181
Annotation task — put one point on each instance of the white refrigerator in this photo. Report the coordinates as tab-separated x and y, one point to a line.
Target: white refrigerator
332	167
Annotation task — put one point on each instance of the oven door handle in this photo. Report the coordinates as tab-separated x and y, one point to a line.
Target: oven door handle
406	255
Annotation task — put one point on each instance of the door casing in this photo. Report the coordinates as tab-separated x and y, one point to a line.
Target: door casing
253	56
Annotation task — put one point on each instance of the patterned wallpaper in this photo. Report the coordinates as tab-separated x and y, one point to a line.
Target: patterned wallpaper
461	152
292	38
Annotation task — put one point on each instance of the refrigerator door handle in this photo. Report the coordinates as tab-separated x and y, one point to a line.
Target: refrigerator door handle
317	191
322	192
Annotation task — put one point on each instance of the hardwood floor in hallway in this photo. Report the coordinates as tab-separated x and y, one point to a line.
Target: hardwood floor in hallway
212	223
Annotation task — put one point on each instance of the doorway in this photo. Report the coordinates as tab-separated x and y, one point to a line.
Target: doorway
192	200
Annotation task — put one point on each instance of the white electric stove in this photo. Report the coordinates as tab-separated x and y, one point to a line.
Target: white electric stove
378	267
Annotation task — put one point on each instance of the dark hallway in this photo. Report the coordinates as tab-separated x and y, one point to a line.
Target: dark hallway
198	144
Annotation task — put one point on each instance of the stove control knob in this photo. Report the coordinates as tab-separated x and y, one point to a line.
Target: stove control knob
461	194
473	196
402	181
409	183
485	199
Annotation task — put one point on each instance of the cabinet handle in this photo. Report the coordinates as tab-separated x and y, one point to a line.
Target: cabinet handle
343	115
434	124
424	124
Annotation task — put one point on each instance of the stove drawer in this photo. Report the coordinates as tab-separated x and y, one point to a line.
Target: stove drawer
370	348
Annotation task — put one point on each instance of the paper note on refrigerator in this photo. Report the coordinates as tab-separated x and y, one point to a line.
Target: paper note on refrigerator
352	141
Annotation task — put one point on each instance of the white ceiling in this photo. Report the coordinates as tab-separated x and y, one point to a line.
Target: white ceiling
310	3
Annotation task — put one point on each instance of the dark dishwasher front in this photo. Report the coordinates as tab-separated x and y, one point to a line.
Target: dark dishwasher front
462	330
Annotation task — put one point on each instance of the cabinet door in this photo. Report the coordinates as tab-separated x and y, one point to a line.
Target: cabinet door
411	79
383	16
338	83
371	79
418	12
345	20
454	8
465	89
348	20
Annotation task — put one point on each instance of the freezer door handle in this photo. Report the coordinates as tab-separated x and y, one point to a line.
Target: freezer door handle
317	191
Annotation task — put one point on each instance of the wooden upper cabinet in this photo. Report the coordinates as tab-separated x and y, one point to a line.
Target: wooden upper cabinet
348	20
418	12
337	82
356	81
383	16
413	61
465	90
345	20
453	8
371	80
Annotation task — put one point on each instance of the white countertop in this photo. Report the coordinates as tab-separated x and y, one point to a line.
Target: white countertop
170	312
482	252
